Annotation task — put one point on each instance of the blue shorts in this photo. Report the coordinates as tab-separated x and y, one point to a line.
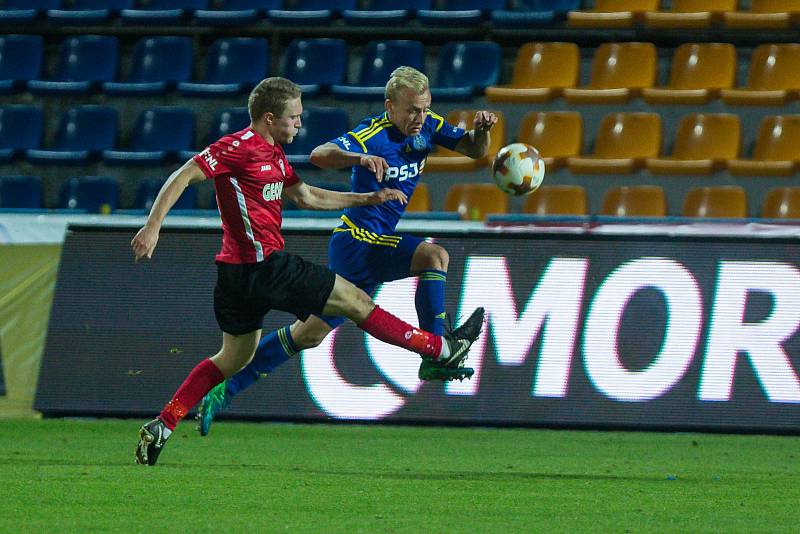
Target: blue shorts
368	259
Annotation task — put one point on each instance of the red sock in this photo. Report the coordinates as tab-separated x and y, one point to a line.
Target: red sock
203	377
386	327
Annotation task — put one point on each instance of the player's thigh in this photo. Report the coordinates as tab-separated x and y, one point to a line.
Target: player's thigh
348	300
237	351
289	283
429	256
368	264
310	333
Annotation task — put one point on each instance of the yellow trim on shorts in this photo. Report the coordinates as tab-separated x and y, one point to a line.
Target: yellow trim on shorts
362	234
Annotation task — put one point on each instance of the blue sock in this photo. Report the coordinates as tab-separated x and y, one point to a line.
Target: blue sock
430	301
273	349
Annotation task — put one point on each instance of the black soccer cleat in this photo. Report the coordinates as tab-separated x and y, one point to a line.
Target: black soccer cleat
461	339
432	370
152	437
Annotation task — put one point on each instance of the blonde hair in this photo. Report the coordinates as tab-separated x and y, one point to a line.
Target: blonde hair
405	78
271	95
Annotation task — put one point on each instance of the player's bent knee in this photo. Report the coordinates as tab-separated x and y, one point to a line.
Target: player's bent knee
430	256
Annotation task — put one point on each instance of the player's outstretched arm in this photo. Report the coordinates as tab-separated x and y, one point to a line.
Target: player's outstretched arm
308	197
144	242
476	143
331	156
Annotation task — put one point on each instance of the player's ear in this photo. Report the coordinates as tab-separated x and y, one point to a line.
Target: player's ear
388	105
269	117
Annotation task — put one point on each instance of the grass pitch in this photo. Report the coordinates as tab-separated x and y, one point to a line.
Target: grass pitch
79	476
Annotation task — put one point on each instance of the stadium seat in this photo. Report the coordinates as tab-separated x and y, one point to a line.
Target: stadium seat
623	142
20	60
20	129
228	121
773	78
764	14
690	14
697	74
235	12
442	159
233	65
93	194
723	201
557	135
466	68
557	200
305	12
377	64
776	151
703	144
148	190
316	64
619	72
83	132
157	64
459	12
24	11
159	134
82	62
634	201
420	201
87	12
474	202
161	12
611	14
541	72
20	192
385	12
533	13
779	203
319	125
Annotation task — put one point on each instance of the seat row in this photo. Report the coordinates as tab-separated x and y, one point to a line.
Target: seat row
699	72
91	63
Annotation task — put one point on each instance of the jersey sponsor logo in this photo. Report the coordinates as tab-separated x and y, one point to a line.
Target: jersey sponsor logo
209	159
272	191
265	168
403	172
345	142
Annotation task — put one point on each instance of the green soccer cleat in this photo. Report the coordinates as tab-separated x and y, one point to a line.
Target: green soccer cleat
214	402
431	370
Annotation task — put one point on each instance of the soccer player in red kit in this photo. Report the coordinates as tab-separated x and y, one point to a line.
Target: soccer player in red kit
254	274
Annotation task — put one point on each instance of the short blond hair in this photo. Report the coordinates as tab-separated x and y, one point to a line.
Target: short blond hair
405	78
271	95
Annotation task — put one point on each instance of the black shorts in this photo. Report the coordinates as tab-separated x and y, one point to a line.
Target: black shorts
246	292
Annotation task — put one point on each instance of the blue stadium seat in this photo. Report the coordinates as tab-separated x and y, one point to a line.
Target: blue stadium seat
459	12
233	65
320	125
235	12
158	63
378	62
93	194
83	62
533	13
21	192
20	129
465	68
309	11
20	60
150	12
148	190
24	11
158	135
227	122
83	132
316	64
384	12
86	12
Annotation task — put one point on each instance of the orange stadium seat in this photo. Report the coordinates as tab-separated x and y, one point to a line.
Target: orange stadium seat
619	72
773	78
694	14
557	135
474	202
634	201
541	71
703	144
764	14
781	203
611	14
420	201
777	148
623	142
697	73
442	159
728	201
557	200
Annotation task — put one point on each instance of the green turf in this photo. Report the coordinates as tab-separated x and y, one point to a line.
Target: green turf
73	475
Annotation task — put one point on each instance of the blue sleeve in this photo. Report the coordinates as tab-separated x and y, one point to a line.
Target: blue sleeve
444	133
348	142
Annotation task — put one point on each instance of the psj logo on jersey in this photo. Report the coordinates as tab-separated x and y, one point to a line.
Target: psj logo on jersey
272	191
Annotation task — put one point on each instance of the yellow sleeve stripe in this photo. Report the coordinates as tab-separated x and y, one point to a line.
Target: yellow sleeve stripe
437	117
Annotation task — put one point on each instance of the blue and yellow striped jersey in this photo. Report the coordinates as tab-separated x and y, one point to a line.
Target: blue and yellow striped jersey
406	158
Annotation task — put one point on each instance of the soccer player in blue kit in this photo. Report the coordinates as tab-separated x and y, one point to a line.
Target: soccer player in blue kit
386	150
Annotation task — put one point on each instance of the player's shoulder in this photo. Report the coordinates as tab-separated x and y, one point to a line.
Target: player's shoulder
434	122
369	130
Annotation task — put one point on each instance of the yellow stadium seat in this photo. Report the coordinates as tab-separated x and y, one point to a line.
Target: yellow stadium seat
694	14
697	74
777	148
474	202
782	203
541	71
703	144
623	142
557	135
611	14
764	14
619	72
727	201
442	159
634	201
557	200
773	78
420	200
